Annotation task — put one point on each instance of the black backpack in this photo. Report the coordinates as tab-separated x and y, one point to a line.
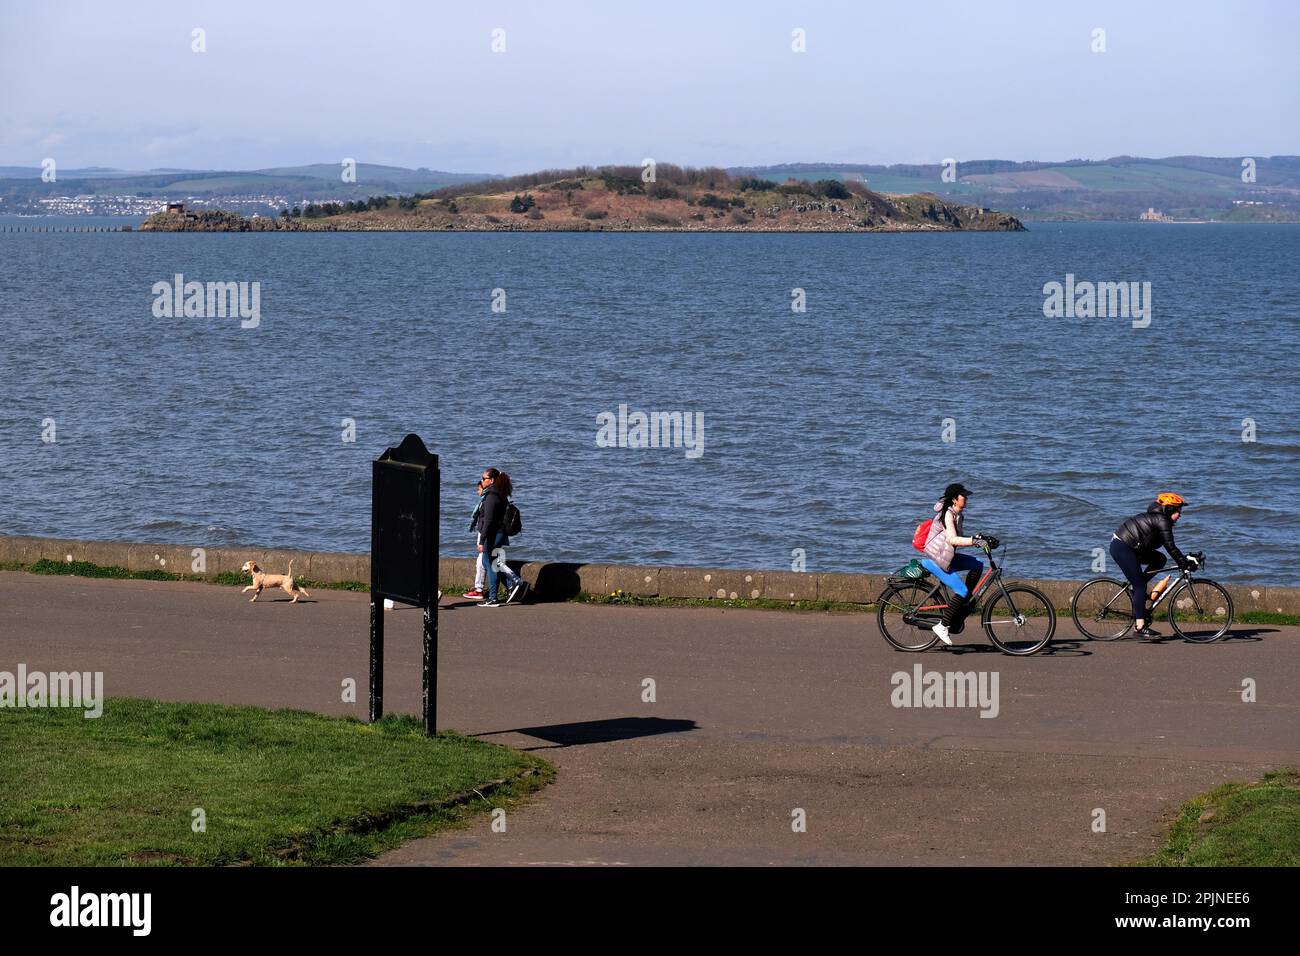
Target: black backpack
512	524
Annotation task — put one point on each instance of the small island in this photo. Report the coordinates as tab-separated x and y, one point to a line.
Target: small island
617	199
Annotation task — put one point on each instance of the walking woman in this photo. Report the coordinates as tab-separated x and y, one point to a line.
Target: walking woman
480	574
493	539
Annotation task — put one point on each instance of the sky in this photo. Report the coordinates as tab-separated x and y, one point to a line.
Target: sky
118	83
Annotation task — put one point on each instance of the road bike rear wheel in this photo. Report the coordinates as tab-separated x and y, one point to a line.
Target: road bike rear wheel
1200	611
1102	610
901	600
1019	620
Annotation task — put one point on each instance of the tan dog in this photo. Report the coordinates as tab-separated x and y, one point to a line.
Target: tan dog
263	580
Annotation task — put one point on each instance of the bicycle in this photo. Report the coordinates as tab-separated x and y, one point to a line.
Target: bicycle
1103	608
1018	619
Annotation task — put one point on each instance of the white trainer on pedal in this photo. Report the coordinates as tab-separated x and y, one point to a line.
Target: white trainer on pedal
943	634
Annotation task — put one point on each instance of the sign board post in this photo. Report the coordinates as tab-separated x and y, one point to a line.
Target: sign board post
404	558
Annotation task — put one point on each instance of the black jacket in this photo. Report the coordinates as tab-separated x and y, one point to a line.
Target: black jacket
492	519
1149	531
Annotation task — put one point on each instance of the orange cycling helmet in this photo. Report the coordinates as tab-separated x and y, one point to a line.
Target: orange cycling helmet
1170	503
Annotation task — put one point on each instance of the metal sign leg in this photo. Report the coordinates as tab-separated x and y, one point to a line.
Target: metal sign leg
430	670
376	660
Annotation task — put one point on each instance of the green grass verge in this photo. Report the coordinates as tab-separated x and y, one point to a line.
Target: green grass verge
235	579
1238	824
85	569
1265	617
277	787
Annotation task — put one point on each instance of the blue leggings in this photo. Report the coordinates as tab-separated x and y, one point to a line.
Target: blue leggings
1130	562
962	564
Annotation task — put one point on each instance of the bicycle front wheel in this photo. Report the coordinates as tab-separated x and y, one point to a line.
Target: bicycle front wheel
898	602
1102	610
1200	611
1019	620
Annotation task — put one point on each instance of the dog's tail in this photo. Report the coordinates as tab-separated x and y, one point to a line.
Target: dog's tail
291	567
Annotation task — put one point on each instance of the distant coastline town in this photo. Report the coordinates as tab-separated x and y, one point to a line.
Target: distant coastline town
88	204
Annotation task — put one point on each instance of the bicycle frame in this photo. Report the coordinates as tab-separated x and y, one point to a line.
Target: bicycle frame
1183	576
992	575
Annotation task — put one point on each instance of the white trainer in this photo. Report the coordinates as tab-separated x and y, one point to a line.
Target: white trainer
943	634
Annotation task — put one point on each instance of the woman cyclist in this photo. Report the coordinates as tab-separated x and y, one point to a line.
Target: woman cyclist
1137	542
945	563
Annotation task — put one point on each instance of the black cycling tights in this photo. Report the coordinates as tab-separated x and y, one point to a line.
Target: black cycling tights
1130	562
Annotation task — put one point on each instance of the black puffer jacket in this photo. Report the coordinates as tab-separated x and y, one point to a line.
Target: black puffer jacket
492	518
1149	531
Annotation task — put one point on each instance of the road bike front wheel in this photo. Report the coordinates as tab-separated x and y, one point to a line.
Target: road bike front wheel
1019	620
1102	610
899	601
1200	611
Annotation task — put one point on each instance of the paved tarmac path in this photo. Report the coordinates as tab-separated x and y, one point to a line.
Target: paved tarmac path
756	714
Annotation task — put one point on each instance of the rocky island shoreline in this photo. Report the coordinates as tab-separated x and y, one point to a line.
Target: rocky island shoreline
618	199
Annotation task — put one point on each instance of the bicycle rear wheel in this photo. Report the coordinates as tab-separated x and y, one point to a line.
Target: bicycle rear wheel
1019	620
1200	611
1102	610
899	600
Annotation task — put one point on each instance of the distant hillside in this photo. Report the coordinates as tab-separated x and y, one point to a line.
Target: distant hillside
21	188
616	198
1119	188
392	176
1123	187
34	172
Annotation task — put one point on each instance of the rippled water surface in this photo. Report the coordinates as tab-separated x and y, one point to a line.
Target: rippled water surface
822	429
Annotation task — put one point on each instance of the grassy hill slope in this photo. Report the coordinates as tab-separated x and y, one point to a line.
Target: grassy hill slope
1122	187
615	198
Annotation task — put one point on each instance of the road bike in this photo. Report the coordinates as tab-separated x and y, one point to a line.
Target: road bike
1018	619
1199	609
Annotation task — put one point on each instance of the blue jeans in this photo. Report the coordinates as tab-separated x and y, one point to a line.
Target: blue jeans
485	559
965	570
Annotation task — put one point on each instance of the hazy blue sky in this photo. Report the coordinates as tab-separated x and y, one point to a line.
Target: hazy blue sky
110	82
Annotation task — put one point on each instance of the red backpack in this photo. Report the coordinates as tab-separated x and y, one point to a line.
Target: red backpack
922	534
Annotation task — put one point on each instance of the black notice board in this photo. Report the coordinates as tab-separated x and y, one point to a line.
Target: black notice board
404	524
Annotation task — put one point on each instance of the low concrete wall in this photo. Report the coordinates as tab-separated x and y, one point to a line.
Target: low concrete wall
550	580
